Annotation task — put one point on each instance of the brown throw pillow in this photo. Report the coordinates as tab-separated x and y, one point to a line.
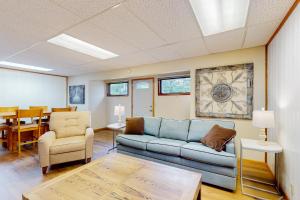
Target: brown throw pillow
217	137
134	126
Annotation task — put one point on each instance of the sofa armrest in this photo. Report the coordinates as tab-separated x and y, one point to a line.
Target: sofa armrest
44	144
89	140
230	147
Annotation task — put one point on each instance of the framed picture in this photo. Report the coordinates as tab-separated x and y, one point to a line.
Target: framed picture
77	94
225	92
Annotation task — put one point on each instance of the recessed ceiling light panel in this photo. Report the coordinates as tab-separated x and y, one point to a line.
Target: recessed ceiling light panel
23	66
216	16
75	44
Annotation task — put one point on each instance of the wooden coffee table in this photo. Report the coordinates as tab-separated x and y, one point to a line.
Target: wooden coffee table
118	176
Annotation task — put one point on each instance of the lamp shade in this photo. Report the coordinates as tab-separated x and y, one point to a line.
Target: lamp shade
263	119
119	110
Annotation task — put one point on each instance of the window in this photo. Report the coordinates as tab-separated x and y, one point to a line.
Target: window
174	86
142	85
117	89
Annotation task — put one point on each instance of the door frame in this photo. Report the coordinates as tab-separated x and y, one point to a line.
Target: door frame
153	86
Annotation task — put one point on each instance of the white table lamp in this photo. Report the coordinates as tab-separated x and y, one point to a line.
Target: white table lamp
119	111
263	119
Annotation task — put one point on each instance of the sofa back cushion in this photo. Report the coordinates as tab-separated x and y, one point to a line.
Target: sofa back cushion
199	128
152	125
174	129
68	124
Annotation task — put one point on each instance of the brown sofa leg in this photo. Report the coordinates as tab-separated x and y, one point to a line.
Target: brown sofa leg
88	160
44	169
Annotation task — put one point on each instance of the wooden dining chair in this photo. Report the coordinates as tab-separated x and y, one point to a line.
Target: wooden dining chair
5	127
32	127
44	108
67	109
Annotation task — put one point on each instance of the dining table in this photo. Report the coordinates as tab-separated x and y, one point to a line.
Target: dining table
13	116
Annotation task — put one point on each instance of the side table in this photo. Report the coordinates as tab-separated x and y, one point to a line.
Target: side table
269	147
115	127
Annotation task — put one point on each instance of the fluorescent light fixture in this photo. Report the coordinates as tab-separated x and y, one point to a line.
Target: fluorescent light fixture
216	16
23	66
72	43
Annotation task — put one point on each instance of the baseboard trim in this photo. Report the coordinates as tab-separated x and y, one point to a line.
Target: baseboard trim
100	129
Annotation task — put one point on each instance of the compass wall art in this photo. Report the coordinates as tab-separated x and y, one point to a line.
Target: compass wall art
225	92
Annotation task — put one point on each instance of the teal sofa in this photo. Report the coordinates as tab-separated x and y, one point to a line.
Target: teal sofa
177	143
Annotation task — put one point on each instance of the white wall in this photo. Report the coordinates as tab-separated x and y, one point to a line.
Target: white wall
284	98
26	89
181	107
97	103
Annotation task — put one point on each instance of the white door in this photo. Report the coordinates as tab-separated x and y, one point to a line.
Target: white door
142	97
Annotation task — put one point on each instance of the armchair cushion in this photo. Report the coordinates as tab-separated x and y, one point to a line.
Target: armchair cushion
68	144
68	124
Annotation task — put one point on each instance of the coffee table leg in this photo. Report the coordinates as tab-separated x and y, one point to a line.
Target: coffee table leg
114	138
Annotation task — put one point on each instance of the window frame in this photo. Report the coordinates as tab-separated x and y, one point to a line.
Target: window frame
175	93
108	94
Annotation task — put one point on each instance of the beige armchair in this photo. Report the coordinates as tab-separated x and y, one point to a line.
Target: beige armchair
70	138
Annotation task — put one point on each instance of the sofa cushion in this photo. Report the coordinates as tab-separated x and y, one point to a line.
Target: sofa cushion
199	128
152	125
174	129
68	144
165	146
198	152
135	141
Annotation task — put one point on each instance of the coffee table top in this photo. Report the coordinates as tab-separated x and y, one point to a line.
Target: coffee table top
263	146
116	126
118	176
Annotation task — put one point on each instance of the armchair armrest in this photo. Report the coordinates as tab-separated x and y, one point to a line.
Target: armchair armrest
89	140
44	143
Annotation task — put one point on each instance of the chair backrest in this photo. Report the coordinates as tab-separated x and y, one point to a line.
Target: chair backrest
68	109
31	113
9	110
67	124
44	108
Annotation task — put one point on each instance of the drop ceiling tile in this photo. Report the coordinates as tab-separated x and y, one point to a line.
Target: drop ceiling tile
97	66
259	34
226	41
184	49
51	56
173	20
164	53
94	35
135	59
124	25
87	8
261	11
43	19
191	48
13	41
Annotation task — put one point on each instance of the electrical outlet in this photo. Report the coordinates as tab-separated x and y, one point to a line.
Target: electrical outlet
292	190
